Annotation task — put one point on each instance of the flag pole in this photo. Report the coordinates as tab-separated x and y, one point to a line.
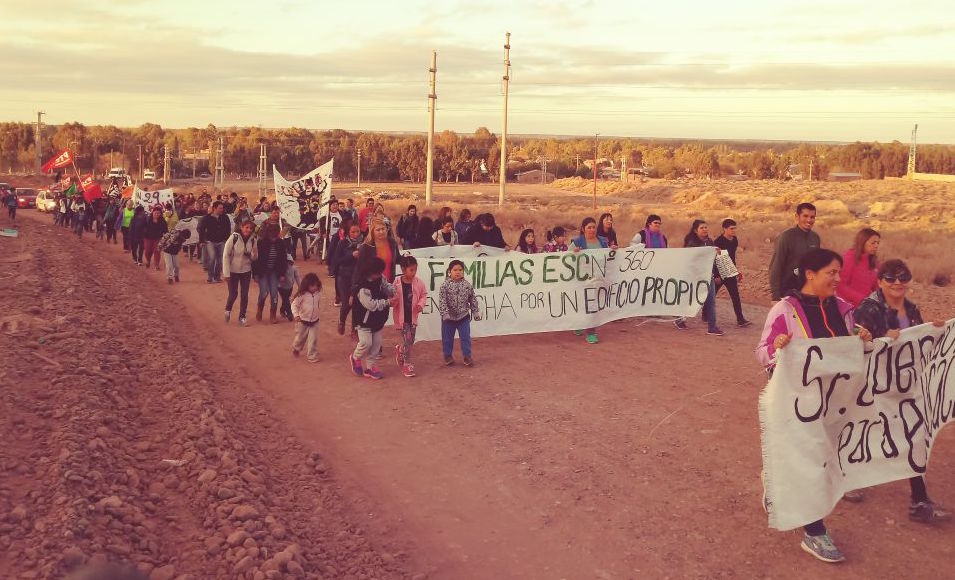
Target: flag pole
79	179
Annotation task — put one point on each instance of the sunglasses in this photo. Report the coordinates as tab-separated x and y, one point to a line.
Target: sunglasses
904	278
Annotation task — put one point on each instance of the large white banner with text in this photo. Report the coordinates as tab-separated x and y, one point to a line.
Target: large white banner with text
522	293
839	415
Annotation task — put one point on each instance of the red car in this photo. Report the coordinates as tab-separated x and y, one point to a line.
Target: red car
26	197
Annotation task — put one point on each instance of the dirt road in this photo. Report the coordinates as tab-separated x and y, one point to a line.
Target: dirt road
634	458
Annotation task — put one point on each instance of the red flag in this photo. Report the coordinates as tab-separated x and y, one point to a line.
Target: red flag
61	160
91	188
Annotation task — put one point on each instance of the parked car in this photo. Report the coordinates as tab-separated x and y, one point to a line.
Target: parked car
45	201
116	172
26	197
149	175
204	175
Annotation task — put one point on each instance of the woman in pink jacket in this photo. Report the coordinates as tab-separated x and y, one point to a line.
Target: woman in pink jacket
859	268
410	298
814	311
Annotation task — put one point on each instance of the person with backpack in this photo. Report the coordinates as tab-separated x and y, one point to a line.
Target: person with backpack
371	302
239	253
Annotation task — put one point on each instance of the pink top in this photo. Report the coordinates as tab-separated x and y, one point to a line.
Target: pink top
857	279
419	298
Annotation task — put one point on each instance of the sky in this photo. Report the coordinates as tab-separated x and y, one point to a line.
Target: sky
736	69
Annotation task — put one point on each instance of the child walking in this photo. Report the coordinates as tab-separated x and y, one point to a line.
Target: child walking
305	313
292	278
371	298
410	298
457	304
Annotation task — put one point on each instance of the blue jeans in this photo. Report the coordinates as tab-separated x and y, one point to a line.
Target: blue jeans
269	285
709	307
463	328
214	260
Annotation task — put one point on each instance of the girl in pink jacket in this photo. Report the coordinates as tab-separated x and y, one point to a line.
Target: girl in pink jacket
410	298
859	269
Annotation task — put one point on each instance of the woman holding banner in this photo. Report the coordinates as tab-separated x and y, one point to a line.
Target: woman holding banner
589	240
814	311
886	312
698	237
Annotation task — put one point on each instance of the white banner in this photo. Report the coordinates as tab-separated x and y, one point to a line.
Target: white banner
304	202
522	293
150	199
838	415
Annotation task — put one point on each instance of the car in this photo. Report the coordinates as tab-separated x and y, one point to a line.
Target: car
149	175
26	197
45	201
204	175
116	172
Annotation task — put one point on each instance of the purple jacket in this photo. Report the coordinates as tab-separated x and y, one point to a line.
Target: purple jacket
788	317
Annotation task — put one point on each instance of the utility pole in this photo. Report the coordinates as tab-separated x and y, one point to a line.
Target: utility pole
110	160
911	168
432	101
38	138
595	169
577	159
507	78
166	171
810	170
219	180
140	162
359	168
263	170
195	154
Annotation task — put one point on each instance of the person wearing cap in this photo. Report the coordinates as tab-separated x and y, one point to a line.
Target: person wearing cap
292	278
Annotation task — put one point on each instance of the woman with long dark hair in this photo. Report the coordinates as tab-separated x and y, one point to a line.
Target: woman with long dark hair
605	228
859	277
813	311
699	236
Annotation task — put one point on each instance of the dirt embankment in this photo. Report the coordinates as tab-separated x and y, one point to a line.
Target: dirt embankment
120	446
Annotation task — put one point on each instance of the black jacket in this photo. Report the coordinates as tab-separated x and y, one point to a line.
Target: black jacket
215	229
155	230
343	262
492	237
137	226
407	228
280	265
874	315
365	253
373	320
